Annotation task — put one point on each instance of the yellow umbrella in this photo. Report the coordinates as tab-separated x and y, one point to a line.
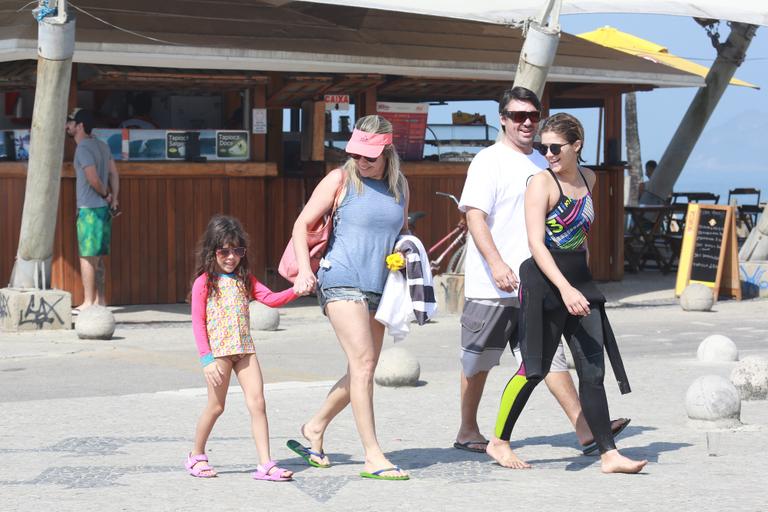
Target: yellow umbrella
627	43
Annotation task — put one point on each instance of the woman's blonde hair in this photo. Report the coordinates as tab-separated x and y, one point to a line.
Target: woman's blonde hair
395	178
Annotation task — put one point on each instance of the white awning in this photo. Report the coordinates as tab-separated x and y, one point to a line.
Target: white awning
309	37
754	12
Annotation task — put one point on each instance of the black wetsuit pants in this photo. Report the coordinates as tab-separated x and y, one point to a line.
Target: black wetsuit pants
585	339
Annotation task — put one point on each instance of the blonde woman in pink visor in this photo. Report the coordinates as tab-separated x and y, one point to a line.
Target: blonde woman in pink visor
372	211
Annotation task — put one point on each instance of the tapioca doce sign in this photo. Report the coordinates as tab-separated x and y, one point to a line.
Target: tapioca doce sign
709	254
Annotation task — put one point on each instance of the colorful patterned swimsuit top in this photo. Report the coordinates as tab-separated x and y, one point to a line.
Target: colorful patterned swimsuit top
568	223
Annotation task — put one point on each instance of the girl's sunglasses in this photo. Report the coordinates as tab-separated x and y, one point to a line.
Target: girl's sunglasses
224	252
554	148
519	116
358	157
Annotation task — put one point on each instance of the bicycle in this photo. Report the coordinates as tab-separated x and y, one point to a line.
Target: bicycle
453	244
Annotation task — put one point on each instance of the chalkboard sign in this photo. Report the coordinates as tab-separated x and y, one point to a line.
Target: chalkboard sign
709	254
709	241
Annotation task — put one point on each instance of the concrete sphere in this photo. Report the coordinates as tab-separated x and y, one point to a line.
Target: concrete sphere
263	318
751	378
717	349
397	367
697	297
95	323
714	401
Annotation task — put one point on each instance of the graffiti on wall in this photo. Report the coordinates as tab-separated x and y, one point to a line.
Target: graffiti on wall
40	314
754	280
4	311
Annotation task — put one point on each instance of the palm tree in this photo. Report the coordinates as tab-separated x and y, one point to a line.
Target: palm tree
633	148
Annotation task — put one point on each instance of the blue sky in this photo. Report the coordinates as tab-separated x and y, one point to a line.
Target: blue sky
727	154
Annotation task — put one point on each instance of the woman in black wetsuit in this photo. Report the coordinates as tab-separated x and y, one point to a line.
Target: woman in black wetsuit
558	296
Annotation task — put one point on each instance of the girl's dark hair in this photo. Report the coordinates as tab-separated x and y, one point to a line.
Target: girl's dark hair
567	126
221	230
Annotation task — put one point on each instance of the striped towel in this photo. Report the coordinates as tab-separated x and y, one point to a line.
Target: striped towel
408	294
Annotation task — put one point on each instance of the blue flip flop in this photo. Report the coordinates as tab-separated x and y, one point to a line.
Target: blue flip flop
306	454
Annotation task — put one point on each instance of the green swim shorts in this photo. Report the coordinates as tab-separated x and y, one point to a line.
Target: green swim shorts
94	231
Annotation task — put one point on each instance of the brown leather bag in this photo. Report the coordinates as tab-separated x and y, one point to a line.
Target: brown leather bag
318	237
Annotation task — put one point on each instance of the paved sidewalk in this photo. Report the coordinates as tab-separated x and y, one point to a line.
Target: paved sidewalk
91	425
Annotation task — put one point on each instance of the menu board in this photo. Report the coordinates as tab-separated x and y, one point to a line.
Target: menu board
409	123
709	254
709	241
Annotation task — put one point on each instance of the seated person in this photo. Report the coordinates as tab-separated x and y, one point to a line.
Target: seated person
650	167
141	119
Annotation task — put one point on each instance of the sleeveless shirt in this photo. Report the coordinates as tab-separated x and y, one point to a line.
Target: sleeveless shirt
365	228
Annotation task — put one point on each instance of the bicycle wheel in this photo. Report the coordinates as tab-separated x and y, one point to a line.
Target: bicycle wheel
456	263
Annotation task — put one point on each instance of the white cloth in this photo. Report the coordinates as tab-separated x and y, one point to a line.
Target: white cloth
496	182
408	295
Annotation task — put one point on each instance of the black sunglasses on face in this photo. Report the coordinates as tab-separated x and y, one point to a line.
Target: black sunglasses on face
224	252
519	116
554	148
370	160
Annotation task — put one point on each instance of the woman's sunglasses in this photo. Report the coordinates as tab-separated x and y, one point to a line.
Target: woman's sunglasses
224	252
358	157
519	116
554	148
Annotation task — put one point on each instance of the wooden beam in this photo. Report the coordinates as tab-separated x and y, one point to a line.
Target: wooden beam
69	142
275	123
258	141
613	131
161	169
318	131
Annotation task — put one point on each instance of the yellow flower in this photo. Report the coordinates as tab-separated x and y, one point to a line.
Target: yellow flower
395	261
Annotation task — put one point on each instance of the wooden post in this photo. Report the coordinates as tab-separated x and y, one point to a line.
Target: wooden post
258	141
612	152
232	102
365	102
69	142
275	125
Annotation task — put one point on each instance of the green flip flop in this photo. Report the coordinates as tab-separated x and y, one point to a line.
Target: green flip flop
306	454
377	475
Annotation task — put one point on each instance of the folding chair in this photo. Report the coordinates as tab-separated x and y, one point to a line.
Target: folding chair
748	212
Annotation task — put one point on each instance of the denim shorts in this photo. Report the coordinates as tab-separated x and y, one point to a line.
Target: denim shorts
324	296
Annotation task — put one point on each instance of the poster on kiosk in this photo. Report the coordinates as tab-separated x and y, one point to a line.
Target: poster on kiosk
409	121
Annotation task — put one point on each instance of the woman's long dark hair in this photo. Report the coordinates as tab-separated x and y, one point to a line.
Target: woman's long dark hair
221	230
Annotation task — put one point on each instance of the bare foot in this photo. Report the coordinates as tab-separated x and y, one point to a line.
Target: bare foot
500	451
315	438
614	462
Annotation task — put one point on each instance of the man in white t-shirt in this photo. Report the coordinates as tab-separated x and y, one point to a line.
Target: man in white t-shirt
493	200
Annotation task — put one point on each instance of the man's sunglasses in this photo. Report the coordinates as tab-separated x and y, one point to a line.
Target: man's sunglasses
224	252
368	159
554	148
519	116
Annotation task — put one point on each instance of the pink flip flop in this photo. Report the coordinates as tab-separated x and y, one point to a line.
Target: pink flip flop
262	473
197	470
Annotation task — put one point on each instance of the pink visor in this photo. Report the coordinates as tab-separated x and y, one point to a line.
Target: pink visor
368	144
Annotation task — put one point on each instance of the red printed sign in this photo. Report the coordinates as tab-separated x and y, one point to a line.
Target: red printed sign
409	122
336	102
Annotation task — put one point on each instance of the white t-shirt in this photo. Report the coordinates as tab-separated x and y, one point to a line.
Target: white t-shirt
496	182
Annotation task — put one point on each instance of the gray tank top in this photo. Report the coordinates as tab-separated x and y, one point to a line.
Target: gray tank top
365	229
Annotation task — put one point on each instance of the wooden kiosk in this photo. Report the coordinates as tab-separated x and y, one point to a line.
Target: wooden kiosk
304	52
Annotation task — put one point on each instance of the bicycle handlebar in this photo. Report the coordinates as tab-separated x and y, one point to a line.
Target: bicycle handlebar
450	196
